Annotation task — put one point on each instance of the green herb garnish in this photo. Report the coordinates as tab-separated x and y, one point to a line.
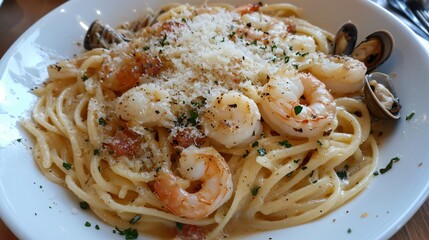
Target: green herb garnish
67	165
410	116
102	122
129	233
343	175
135	218
163	42
297	109
84	205
255	190
285	143
261	151
389	165
179	225
255	144
193	116
96	152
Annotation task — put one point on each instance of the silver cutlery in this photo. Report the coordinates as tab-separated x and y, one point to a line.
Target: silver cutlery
416	11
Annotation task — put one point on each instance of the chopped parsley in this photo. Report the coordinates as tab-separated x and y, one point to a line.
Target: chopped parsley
193	117
67	165
375	173
179	225
287	59
135	218
297	109
145	48
255	144
87	224
273	47
255	190
301	54
102	122
285	143
349	230
84	205
129	233
163	42
261	151
343	175
410	116
389	165
84	77
96	152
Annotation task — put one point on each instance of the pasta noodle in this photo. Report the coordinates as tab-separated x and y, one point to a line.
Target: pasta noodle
198	124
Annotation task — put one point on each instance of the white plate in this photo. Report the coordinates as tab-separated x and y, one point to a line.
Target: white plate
35	208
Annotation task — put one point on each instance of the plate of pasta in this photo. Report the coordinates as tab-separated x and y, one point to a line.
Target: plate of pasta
212	120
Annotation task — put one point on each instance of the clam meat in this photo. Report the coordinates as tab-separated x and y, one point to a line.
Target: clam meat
380	96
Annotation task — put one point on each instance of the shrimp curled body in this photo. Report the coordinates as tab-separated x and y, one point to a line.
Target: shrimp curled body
298	106
196	165
341	74
232	119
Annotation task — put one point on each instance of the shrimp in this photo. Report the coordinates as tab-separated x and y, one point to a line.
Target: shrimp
147	105
341	74
298	106
122	76
247	8
232	119
204	167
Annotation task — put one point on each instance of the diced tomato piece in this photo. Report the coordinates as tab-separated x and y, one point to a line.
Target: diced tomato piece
190	232
125	142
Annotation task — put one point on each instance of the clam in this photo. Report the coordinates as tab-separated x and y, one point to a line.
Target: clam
345	39
100	35
373	51
380	96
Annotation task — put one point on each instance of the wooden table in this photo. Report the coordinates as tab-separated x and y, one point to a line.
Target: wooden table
16	16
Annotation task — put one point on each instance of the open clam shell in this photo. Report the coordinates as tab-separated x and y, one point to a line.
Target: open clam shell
376	102
345	39
375	49
100	35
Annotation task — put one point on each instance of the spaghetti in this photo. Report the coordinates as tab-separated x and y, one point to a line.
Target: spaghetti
185	124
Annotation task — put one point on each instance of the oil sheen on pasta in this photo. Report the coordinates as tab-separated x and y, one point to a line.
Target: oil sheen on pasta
212	117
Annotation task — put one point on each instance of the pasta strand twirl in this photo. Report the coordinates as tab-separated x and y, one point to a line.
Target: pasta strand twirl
209	117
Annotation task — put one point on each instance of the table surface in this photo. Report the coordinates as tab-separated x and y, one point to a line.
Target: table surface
16	16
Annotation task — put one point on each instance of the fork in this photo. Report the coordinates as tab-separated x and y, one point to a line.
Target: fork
420	11
415	11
